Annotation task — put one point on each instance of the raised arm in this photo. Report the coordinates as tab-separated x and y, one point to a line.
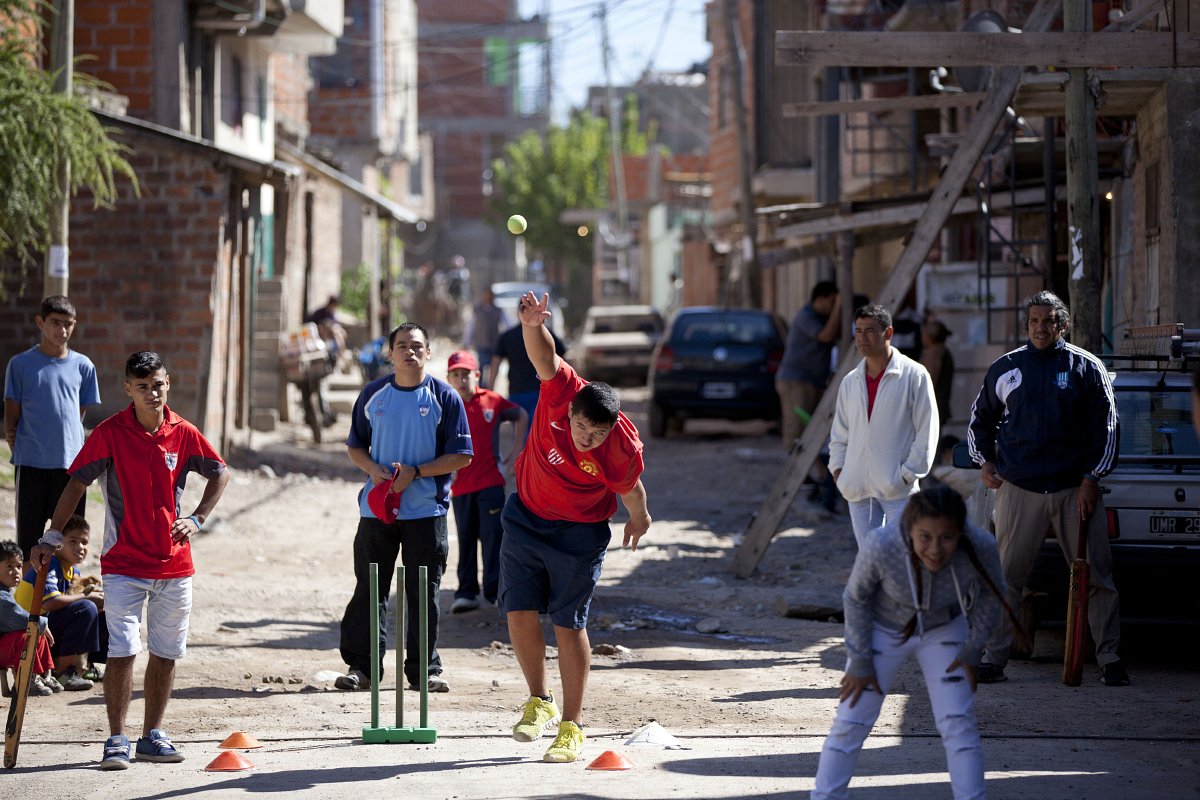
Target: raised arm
539	344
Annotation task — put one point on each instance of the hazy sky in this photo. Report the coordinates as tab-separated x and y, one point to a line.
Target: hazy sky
666	35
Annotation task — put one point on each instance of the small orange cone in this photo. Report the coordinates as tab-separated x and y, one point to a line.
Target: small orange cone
229	761
611	759
239	740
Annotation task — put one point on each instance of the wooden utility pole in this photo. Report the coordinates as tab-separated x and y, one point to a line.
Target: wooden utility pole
983	126
62	58
751	273
1083	206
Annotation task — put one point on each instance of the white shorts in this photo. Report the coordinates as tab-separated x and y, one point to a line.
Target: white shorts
169	609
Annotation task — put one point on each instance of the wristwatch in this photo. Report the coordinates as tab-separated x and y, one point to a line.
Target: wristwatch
416	471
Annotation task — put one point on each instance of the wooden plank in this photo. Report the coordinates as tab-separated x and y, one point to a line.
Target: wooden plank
949	189
883	105
906	49
898	214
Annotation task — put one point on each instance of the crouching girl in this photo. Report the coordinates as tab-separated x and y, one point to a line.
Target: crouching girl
927	585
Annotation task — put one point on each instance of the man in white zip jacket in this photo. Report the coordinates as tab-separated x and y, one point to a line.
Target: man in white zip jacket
885	428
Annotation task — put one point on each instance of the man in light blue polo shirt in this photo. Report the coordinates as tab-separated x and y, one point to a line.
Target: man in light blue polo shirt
410	429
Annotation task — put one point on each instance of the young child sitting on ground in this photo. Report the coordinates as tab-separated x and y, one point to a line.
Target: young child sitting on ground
13	622
76	618
930	585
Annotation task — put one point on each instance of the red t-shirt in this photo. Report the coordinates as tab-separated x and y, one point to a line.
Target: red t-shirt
485	411
556	481
872	389
146	475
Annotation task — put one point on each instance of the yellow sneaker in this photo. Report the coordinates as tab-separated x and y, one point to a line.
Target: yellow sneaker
536	716
567	745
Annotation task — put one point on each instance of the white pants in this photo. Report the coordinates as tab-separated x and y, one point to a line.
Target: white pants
953	711
867	515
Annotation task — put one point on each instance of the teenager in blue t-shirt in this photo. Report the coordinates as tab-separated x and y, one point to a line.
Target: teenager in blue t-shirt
411	429
47	389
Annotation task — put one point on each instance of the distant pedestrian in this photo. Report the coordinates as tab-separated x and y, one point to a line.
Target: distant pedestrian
807	364
143	455
523	384
885	428
483	329
927	584
408	429
1044	431
47	390
477	492
939	361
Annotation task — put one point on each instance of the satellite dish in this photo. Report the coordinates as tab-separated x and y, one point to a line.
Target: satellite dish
977	79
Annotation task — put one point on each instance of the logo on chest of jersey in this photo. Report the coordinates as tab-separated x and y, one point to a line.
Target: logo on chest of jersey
489	414
590	467
555	458
172	460
1062	380
424	410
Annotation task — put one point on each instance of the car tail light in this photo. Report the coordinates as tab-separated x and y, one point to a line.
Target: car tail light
774	359
665	361
1114	528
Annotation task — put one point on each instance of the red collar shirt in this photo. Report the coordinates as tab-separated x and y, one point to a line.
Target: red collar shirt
485	411
144	476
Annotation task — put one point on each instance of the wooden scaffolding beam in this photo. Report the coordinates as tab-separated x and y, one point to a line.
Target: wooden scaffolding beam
803	455
905	48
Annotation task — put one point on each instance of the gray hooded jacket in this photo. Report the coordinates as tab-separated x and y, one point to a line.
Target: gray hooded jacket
883	589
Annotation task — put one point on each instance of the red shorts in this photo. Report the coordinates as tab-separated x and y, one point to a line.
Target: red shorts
11	645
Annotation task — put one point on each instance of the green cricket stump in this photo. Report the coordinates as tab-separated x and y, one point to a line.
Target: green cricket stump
422	734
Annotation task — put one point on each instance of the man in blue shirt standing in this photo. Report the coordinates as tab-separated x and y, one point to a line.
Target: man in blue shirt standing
807	355
47	390
409	429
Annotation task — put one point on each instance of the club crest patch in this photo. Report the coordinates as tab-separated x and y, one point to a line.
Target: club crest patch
424	410
554	457
172	460
1062	380
489	414
590	467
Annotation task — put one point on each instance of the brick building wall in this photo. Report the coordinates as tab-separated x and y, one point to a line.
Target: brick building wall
118	34
154	273
724	159
292	82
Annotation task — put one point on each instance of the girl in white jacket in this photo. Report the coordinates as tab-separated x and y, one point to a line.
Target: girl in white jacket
927	585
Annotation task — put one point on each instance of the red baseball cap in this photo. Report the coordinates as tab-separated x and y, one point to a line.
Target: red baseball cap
462	359
384	503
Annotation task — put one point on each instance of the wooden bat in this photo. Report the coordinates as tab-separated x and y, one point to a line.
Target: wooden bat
16	707
1077	612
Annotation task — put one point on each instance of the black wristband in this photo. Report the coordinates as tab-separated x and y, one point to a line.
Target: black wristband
416	471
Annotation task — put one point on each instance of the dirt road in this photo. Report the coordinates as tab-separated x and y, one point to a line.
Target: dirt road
751	698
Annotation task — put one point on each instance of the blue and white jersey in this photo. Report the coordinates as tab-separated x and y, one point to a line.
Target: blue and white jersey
410	426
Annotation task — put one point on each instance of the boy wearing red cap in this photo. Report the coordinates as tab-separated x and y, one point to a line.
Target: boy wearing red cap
582	453
477	493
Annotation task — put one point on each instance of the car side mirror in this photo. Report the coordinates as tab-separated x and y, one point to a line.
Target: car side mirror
962	456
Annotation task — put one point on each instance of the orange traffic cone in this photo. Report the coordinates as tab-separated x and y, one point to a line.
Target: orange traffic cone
239	740
611	759
229	761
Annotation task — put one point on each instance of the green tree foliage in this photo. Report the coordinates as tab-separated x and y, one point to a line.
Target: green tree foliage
38	127
542	175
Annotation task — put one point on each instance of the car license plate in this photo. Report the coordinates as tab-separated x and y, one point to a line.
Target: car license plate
722	390
1174	523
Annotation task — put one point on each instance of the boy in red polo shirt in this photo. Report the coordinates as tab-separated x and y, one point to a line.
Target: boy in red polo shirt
582	452
145	454
477	493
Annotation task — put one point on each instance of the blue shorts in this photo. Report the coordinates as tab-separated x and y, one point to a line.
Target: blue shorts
550	566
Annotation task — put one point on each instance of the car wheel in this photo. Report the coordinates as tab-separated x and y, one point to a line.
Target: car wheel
658	420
